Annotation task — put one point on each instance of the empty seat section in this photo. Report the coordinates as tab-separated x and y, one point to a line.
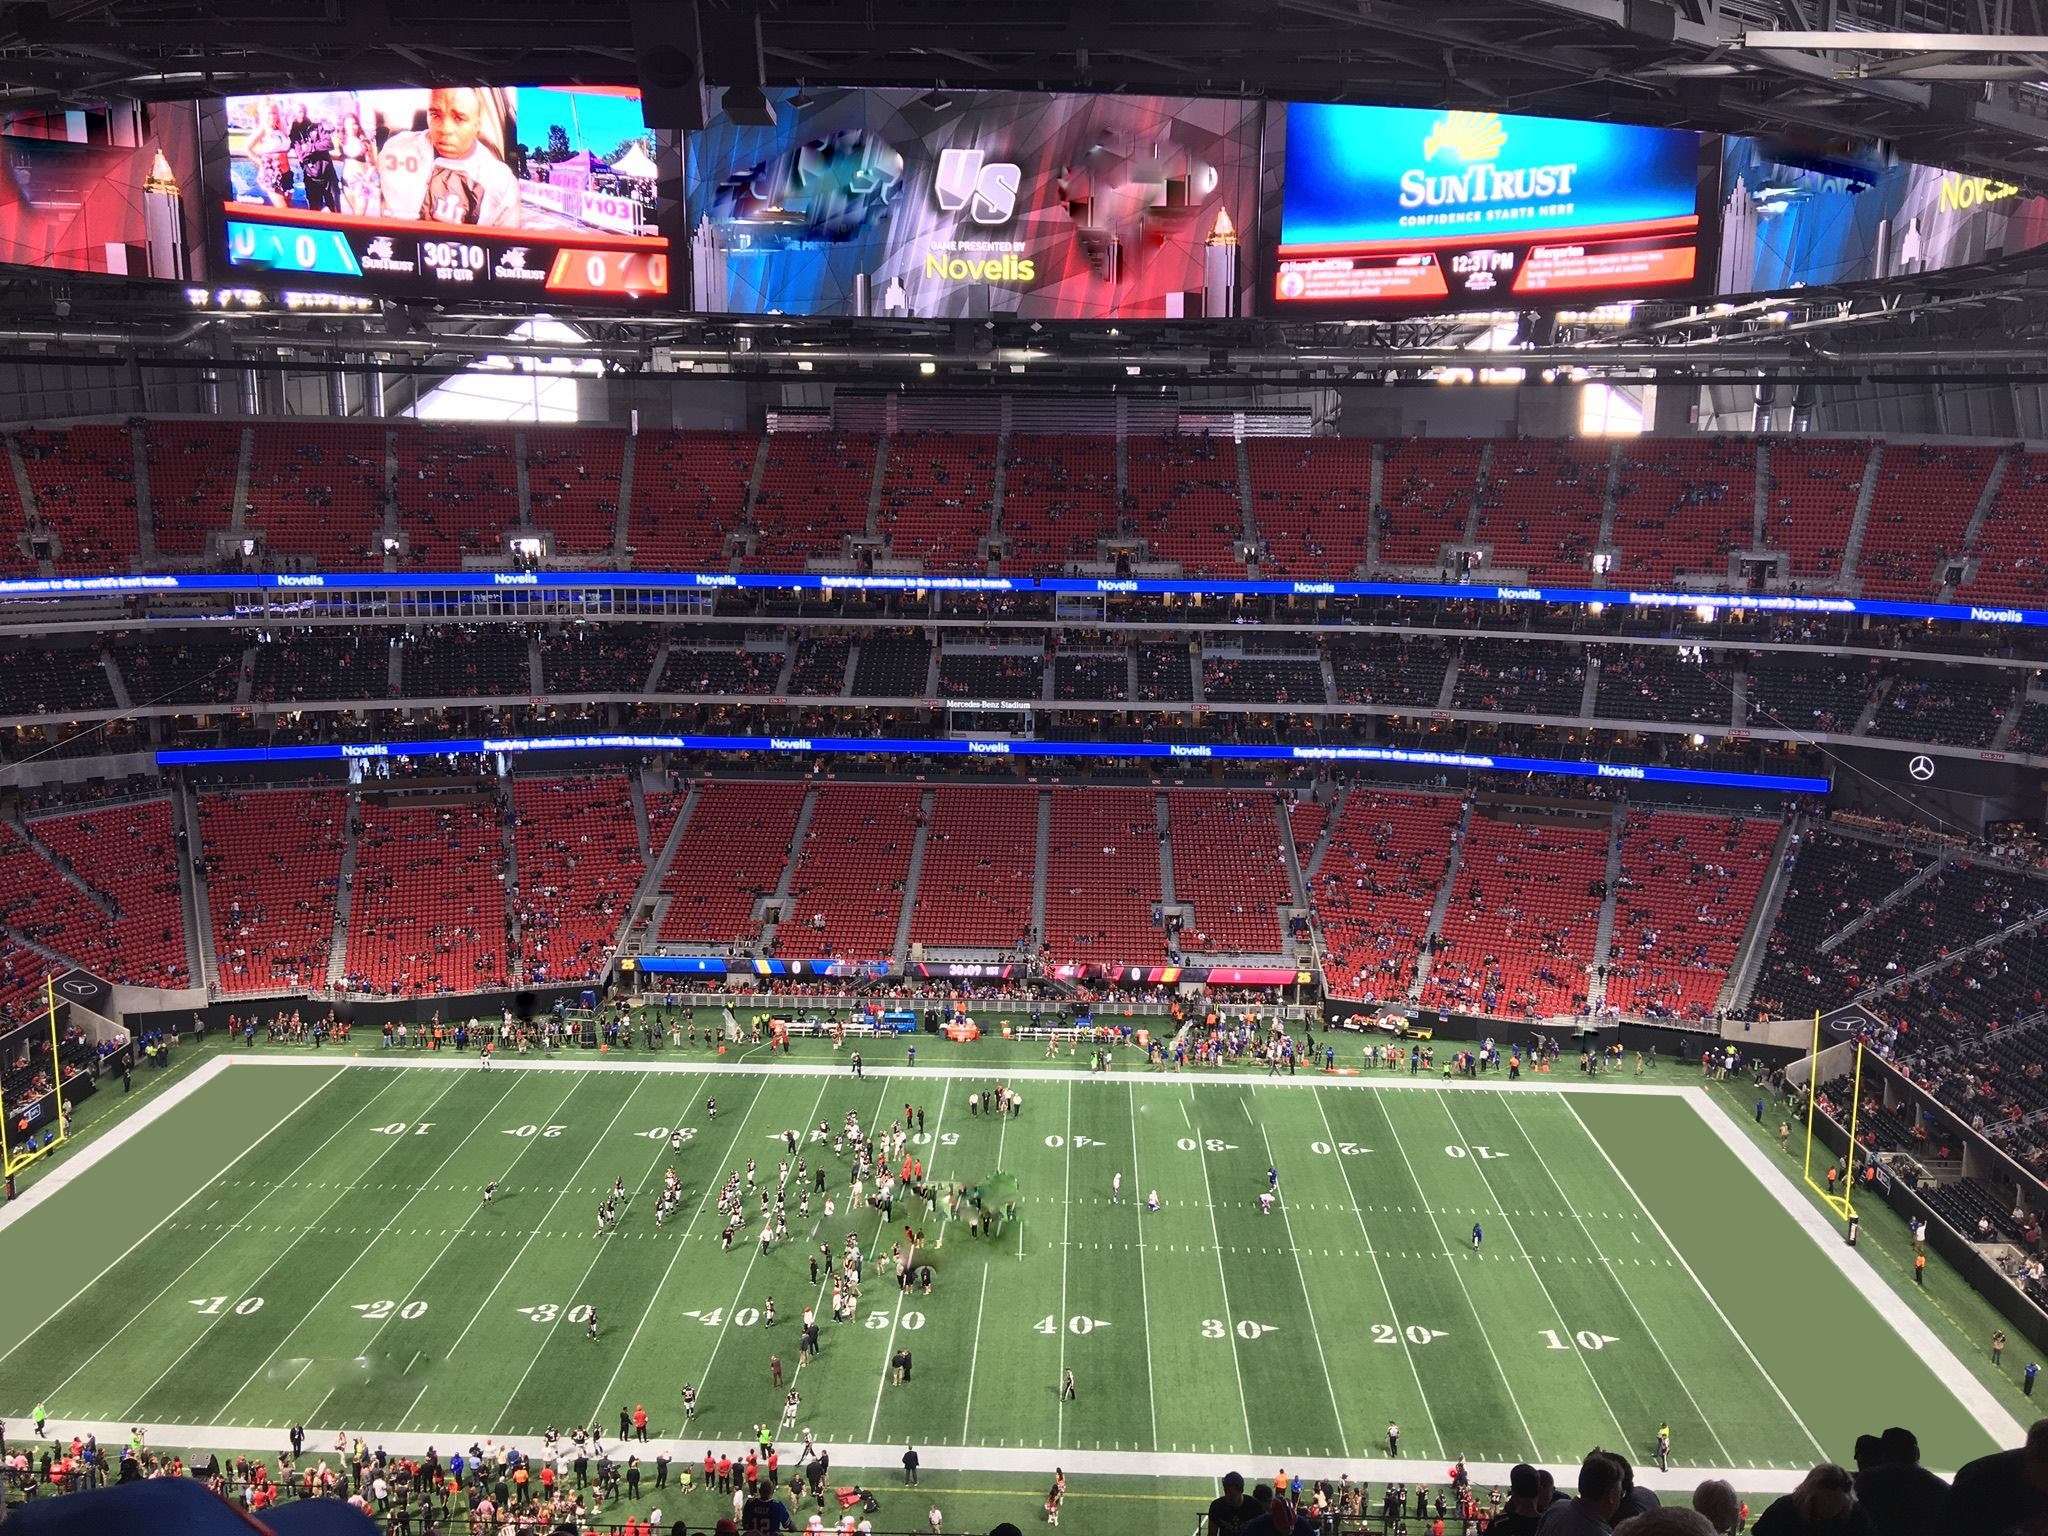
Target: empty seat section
1813	489
1687	886
1523	917
1000	675
1681	506
2012	546
127	853
1184	501
847	892
1228	865
1376	886
1426	495
689	492
316	493
427	905
1919	512
599	658
1312	502
83	479
814	492
1102	877
733	851
183	667
192	467
1534	677
1389	669
458	492
1542	504
323	664
1059	499
720	670
577	863
572	485
975	886
464	661
273	868
937	498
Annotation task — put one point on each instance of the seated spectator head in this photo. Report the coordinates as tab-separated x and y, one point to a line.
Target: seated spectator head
1526	1489
1899	1447
1824	1498
1869	1452
1716	1499
1672	1521
1601	1484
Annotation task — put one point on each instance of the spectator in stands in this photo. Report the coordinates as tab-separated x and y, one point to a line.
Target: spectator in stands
1717	1500
1600	1494
1525	1507
1824	1504
1896	1493
2005	1491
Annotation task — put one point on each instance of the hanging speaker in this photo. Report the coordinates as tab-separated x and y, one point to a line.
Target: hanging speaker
668	58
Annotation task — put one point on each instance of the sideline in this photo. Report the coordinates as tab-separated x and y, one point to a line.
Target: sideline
1991	1415
934	1458
1416	1081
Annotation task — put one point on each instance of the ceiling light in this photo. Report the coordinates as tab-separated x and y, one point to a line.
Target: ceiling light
927	368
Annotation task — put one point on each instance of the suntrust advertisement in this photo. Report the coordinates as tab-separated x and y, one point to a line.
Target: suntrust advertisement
1389	208
959	205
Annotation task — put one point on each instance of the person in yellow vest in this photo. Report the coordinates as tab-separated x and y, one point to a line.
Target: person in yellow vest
1920	1270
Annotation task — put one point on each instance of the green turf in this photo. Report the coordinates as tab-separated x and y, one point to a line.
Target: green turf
1633	1272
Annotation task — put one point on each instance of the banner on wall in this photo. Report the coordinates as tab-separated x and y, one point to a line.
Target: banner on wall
908	203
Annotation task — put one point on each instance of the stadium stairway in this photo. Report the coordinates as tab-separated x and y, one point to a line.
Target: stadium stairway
1039	862
1763	916
648	898
1442	904
1603	935
509	886
200	962
1859	522
778	905
899	953
1334	812
344	895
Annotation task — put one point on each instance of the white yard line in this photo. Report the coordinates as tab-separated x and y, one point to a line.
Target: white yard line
1144	1305
1478	1165
881	1385
974	1356
712	1182
461	1231
136	1314
1976	1398
1642	1322
941	1458
72	1167
660	1151
1307	1303
1478	1317
252	1287
1059	1437
1216	1235
363	1249
562	1193
754	1251
1393	1312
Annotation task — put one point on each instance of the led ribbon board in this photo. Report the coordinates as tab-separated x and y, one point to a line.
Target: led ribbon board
1777	783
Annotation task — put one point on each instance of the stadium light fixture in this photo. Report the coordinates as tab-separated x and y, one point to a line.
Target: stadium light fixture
927	369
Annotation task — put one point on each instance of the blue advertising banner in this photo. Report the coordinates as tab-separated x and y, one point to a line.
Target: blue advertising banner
1779	783
563	582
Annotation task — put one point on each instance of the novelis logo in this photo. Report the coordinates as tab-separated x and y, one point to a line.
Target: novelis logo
986	189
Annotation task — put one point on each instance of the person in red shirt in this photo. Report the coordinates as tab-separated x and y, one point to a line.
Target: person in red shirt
710	1471
753	1471
774	1465
724	1474
640	1420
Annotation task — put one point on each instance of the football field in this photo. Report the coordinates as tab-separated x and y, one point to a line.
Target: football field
303	1238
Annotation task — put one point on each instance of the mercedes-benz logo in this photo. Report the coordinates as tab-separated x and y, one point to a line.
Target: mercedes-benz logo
1921	767
78	987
